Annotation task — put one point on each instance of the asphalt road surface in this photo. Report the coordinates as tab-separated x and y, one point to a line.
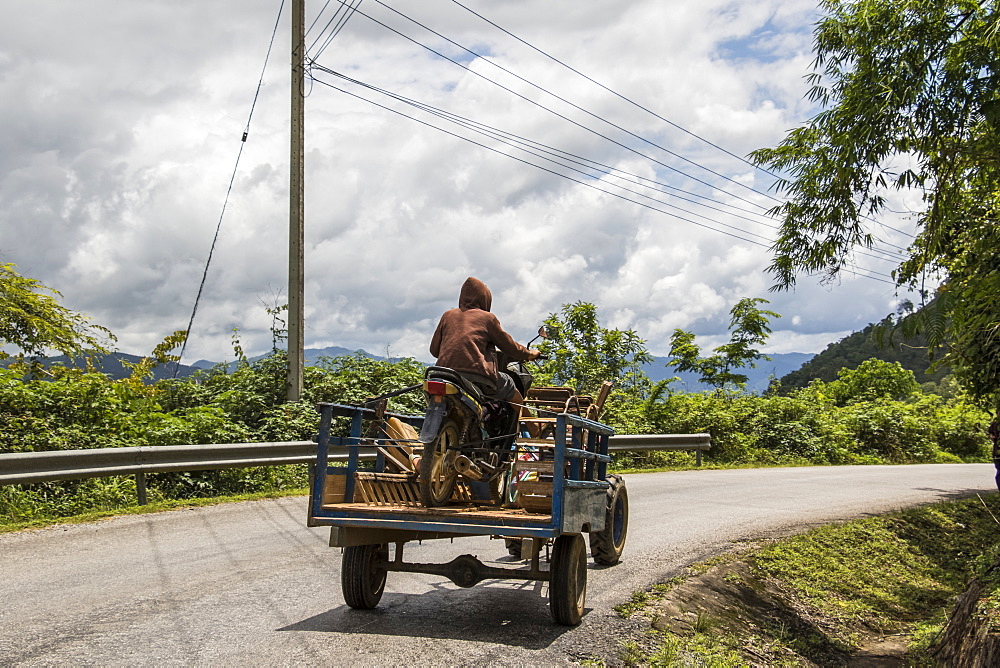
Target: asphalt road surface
249	584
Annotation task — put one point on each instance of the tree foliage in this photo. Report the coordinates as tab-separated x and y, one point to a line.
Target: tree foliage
862	421
873	379
912	81
33	321
852	350
582	354
749	328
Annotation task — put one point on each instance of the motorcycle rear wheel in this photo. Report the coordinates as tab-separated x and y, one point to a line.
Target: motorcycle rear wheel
437	467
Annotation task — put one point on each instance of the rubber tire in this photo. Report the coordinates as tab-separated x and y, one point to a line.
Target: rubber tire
498	489
436	453
607	546
361	579
568	584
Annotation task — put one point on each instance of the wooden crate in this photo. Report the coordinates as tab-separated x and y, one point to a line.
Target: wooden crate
535	496
334	489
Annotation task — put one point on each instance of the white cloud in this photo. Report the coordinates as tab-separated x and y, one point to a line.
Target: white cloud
121	134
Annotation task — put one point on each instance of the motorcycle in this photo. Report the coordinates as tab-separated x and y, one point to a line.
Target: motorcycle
466	434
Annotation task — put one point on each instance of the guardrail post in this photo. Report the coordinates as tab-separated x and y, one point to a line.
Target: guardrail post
698	457
140	487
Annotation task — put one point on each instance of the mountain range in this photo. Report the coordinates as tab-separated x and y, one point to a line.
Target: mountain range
758	379
781	364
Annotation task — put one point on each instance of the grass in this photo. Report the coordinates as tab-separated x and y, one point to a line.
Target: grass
824	594
642	598
157	506
890	571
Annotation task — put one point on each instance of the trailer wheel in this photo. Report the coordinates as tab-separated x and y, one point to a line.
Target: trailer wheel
606	546
568	586
437	468
363	575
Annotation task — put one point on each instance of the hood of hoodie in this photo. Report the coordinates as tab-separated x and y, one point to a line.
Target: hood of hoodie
475	294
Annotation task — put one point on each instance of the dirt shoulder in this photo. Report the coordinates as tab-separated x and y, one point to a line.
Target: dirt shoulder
729	611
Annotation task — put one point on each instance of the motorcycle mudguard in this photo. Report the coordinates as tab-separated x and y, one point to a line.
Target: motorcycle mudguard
433	419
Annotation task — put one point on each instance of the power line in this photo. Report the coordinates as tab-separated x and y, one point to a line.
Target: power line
545	169
647	110
872	274
613	92
445	57
318	16
595	165
544	152
557	114
551	111
498	136
351	8
579	108
348	11
229	190
640	106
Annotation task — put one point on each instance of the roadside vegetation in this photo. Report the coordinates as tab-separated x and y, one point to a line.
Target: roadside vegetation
882	588
874	414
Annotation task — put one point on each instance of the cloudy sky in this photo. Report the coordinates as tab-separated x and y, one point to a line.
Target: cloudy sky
122	122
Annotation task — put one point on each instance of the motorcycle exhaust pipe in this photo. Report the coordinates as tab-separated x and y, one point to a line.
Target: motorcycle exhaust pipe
468	468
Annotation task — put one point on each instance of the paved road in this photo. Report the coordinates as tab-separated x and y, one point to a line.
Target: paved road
249	584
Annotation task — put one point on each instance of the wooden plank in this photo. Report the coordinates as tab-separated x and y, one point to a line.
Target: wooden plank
535	466
334	488
535	504
552	393
443	513
537	442
534	488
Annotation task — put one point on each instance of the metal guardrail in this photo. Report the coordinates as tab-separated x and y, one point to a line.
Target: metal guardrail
19	468
697	442
25	467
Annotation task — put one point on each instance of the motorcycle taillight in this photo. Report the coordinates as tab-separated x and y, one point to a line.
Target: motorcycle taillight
435	387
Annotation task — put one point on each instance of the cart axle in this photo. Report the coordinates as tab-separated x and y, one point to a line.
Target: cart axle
467	571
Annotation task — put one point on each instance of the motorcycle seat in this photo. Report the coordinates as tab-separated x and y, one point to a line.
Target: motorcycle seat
452	376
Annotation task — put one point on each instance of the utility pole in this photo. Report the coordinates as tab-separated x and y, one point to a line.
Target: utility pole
296	217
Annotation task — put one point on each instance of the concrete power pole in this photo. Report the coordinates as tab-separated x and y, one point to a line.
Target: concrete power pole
296	218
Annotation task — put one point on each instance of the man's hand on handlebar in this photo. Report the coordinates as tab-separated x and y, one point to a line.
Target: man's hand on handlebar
534	354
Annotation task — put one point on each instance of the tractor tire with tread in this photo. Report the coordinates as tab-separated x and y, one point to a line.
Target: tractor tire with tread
606	546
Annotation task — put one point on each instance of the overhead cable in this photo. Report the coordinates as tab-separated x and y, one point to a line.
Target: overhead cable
485	131
872	274
559	115
229	190
342	14
642	107
555	156
576	106
318	17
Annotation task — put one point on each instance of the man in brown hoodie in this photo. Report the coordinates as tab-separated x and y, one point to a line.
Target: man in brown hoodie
467	339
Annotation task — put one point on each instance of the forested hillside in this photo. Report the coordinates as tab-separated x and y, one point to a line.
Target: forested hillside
852	350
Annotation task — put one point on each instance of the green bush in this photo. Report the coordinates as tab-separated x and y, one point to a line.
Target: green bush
874	414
